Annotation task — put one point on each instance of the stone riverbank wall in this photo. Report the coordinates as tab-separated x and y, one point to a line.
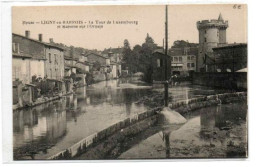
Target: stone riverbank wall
95	142
185	106
227	80
99	145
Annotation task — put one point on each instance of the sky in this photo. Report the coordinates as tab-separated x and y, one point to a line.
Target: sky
151	19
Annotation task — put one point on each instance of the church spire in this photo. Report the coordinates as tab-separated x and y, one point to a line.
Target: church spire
220	17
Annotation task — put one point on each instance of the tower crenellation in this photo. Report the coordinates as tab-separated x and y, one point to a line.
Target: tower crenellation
212	23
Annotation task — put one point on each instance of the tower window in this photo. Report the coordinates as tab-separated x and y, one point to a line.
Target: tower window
205	31
50	57
205	40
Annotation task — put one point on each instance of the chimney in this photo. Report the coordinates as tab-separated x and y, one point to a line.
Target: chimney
27	34
72	52
51	40
40	37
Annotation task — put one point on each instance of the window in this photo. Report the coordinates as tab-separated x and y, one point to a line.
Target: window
188	65
192	57
180	58
205	40
55	56
192	65
49	57
158	63
175	58
188	57
16	47
186	51
13	47
50	72
205	31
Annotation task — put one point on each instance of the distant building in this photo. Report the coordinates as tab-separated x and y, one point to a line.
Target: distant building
183	58
104	62
158	66
94	57
83	64
70	66
115	54
70	61
229	58
212	33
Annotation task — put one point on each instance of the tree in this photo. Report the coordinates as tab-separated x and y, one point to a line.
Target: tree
126	44
149	40
126	60
140	58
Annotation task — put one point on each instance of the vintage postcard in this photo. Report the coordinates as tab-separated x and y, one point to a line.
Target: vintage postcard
129	82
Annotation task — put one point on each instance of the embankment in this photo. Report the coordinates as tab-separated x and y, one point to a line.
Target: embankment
101	144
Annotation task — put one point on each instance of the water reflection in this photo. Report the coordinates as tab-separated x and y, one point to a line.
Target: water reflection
215	132
37	128
222	117
207	122
42	131
166	138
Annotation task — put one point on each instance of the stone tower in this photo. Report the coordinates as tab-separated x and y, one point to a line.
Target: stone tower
212	33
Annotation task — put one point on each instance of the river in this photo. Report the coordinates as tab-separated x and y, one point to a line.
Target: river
45	130
213	132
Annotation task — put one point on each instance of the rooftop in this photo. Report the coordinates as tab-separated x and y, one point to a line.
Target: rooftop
96	55
113	50
44	43
234	45
20	55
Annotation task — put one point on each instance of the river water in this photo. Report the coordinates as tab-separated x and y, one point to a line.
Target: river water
45	130
213	132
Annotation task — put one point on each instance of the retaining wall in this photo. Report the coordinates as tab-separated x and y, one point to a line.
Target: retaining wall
99	144
121	126
237	80
185	106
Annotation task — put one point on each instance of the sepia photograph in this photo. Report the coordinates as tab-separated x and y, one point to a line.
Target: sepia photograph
129	82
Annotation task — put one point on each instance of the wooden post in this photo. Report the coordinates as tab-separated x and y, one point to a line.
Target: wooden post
166	58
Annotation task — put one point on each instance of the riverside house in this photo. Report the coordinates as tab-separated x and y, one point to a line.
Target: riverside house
35	61
24	48
46	60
